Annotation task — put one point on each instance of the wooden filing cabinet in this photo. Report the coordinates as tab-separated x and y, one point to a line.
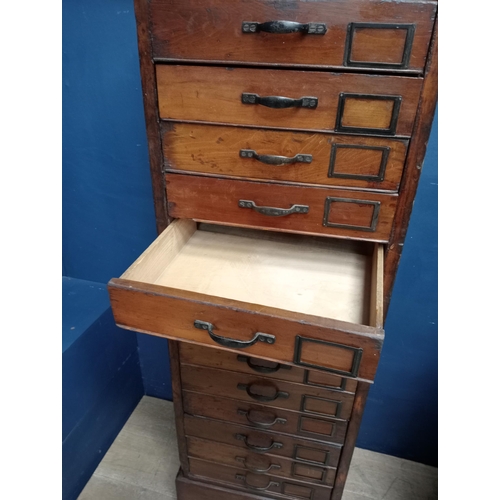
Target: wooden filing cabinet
286	139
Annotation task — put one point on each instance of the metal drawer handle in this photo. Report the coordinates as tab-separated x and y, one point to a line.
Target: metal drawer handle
256	488
272	211
283	27
274	159
233	343
266	425
257	471
259	397
262	369
278	102
258	449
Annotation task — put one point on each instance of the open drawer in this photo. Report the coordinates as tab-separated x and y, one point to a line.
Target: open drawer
293	299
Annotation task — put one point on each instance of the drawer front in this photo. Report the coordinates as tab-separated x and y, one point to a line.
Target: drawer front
257	463
265	443
262	417
216	358
172	314
351	33
272	393
259	483
350	214
332	160
381	105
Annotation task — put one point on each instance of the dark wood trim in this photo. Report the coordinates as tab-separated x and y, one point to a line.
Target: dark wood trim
411	176
151	113
175	370
350	441
189	488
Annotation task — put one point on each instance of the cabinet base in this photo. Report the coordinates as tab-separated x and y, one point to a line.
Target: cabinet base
195	489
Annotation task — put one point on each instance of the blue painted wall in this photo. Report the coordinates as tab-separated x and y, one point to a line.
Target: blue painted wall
401	413
109	220
101	380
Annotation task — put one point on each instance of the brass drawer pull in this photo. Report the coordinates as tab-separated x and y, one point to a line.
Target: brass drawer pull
266	425
274	159
279	102
260	397
262	369
233	343
283	27
257	471
256	488
272	211
258	449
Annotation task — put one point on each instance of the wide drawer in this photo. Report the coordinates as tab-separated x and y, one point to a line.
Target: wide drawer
257	463
271	155
272	393
309	210
313	302
263	417
267	484
370	34
310	100
191	354
266	443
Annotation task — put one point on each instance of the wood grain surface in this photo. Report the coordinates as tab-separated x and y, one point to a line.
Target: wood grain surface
259	416
337	160
214	94
211	199
416	156
278	466
191	354
273	485
212	31
148	78
280	445
275	393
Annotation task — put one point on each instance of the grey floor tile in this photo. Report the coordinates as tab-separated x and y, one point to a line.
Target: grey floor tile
100	488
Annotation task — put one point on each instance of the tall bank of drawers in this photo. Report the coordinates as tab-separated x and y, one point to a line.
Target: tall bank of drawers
268	117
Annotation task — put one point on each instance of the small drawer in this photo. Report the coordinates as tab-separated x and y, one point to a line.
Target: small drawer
263	417
272	393
257	463
265	443
371	34
187	286
309	210
302	100
191	354
270	155
259	483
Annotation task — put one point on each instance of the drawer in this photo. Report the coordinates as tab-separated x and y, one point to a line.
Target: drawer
257	463
375	35
266	443
341	102
192	354
259	483
272	393
271	155
263	417
308	210
313	302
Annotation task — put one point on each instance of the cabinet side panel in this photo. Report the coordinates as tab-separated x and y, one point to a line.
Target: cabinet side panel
151	113
350	441
415	158
173	347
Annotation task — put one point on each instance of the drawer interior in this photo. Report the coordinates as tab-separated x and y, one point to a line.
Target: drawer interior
325	277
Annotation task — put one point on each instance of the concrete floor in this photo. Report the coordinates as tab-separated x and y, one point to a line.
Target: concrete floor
142	464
